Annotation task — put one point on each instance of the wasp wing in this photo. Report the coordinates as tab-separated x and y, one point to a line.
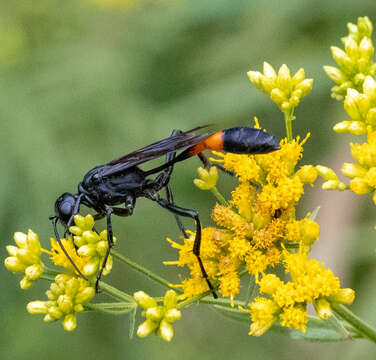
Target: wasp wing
175	142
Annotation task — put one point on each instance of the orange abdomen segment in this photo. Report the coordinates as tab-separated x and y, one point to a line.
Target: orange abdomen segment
213	142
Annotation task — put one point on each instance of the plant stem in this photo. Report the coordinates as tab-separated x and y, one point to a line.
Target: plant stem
116	292
142	270
289	117
219	196
362	327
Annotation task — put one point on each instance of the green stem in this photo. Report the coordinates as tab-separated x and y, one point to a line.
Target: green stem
116	292
108	308
143	270
361	326
219	196
47	277
289	117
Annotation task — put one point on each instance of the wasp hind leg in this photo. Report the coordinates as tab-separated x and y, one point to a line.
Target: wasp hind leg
197	243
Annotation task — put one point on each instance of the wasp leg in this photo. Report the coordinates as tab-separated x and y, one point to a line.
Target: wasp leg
197	244
130	202
207	164
57	236
170	199
163	179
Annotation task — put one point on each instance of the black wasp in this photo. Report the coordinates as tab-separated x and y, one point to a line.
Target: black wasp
121	181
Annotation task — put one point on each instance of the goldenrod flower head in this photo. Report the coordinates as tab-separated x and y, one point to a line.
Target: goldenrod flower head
285	90
264	312
159	319
295	317
59	258
66	297
259	217
355	62
90	245
208	179
25	258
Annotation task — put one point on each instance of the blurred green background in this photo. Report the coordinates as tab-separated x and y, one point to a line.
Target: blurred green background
85	81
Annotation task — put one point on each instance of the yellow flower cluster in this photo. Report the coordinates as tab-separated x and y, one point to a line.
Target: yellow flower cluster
90	245
25	258
66	297
159	319
260	216
360	104
355	62
285	90
310	283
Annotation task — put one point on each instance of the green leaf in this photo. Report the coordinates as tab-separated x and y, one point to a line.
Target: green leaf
320	330
132	322
314	213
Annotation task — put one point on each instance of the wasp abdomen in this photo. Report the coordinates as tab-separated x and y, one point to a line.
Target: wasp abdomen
245	140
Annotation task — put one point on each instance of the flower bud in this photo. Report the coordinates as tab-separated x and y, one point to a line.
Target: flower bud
14	264
208	179
172	315
360	186
305	86
307	174
357	128
146	328
154	313
343	296
340	57
20	239
366	49
37	307
353	170
278	96
284	79
298	76
34	271
371	117
323	308
256	78
144	300
269	71
326	173
170	299
166	331
335	74
351	104
70	322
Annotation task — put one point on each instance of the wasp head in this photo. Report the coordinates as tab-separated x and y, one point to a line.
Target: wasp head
64	207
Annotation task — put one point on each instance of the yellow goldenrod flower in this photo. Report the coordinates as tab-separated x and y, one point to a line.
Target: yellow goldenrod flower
66	297
90	245
295	317
59	258
355	62
264	312
159	319
208	179
25	258
285	90
259	217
